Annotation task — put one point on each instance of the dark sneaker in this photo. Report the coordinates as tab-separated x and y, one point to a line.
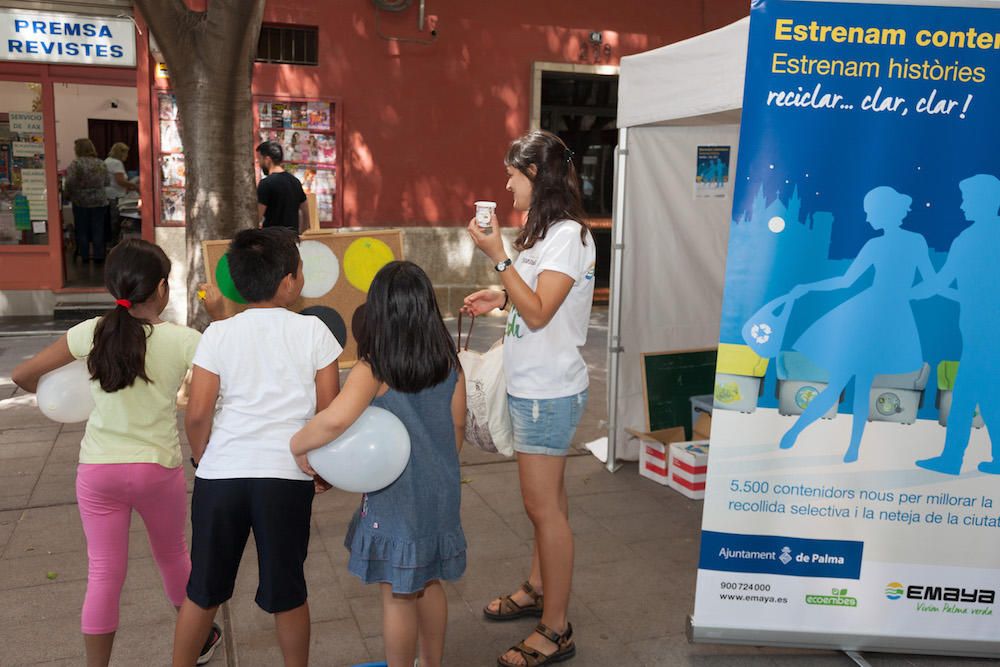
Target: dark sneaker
208	650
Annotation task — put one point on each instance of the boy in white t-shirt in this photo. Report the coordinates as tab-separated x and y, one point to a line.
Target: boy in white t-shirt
269	369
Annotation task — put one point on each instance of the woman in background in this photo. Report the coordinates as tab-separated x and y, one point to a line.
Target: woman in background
118	187
86	178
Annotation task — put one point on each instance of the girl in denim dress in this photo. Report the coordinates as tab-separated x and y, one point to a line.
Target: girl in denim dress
408	536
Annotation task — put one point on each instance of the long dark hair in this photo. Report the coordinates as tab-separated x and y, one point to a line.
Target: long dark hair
555	188
405	340
132	272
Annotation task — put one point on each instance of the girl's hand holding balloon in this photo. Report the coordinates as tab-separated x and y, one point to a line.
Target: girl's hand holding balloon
319	484
303	462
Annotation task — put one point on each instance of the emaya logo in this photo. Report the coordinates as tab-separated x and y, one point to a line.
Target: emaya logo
895	591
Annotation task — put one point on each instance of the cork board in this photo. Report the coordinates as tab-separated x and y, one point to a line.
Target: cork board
338	268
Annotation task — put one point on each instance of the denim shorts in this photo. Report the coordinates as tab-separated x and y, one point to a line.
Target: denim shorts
547	425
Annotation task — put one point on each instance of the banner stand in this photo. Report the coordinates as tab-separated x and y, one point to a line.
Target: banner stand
697	634
852	500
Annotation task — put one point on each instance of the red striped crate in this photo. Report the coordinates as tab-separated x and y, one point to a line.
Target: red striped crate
687	467
653	452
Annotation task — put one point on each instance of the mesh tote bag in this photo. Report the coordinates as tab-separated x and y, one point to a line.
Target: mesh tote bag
487	422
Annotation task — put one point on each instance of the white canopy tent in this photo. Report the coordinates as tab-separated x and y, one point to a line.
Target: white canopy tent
669	248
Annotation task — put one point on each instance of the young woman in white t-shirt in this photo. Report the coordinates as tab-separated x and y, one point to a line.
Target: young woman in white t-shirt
550	289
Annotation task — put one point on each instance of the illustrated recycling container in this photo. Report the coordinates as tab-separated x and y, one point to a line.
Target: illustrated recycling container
946	373
738	378
799	382
896	398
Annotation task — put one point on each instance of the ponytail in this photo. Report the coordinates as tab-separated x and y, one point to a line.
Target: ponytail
132	273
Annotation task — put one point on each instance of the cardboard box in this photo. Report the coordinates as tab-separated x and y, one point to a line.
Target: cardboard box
653	451
702	427
687	468
701	405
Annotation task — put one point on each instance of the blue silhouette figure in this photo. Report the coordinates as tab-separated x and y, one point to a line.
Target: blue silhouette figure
974	268
720	172
852	340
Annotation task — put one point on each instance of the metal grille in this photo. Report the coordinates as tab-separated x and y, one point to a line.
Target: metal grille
290	45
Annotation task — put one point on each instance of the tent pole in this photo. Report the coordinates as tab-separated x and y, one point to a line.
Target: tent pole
615	316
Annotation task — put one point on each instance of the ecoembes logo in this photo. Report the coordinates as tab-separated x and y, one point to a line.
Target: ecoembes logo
837	598
943	599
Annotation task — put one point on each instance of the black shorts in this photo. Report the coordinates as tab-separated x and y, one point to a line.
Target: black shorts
223	512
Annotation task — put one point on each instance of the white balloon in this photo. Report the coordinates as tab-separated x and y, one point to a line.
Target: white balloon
64	394
369	456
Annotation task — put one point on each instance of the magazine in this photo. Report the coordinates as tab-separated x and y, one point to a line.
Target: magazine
172	203
172	169
168	106
319	115
170	138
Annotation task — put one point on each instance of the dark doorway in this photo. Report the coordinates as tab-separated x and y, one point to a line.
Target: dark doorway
582	109
105	133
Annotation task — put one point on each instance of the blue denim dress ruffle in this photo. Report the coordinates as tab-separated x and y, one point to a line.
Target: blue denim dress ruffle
410	533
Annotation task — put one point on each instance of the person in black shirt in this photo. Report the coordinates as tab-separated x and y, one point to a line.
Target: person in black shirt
281	202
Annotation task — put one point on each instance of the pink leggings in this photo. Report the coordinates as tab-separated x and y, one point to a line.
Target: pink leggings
107	493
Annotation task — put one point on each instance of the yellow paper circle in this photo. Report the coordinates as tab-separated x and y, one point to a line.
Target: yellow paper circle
363	259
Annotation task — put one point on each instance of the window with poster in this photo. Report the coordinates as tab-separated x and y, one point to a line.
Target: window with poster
23	194
170	158
308	130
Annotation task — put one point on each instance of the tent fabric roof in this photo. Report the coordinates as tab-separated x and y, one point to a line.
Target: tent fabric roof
704	74
695	77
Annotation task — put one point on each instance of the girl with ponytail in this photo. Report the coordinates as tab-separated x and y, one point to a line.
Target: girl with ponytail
130	456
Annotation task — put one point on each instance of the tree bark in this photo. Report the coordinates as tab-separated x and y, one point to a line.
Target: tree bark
209	55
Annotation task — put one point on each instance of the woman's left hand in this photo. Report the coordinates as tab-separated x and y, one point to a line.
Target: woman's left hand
492	243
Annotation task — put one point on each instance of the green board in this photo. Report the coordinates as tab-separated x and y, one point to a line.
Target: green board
670	379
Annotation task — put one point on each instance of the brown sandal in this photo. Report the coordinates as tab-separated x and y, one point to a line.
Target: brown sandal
509	610
565	649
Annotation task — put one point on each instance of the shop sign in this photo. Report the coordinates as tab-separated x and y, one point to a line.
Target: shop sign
26	122
33	36
28	148
33	188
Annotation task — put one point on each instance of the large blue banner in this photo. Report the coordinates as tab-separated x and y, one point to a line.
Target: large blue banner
859	362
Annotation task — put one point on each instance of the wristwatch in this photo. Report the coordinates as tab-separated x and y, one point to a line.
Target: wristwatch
194	464
502	266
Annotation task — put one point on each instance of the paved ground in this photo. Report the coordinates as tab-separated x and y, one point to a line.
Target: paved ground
634	578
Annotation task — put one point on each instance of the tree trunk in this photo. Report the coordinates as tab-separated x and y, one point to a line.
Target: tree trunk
210	56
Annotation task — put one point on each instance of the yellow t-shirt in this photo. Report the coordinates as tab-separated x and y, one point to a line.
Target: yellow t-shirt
138	424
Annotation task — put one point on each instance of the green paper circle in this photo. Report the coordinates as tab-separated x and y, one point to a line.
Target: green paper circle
225	281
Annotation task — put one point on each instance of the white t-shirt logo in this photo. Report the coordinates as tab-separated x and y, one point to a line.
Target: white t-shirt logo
514	324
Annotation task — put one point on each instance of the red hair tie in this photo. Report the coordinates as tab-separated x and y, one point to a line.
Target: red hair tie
124	303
